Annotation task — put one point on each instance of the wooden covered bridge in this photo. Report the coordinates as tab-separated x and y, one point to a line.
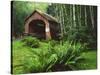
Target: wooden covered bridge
42	25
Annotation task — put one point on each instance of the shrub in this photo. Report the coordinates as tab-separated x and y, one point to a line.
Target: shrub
31	42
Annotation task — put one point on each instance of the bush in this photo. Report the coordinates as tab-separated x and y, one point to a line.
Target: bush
83	35
31	42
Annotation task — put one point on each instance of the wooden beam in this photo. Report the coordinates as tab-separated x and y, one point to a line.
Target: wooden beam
47	31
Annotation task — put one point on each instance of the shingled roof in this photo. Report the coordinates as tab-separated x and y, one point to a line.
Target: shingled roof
46	16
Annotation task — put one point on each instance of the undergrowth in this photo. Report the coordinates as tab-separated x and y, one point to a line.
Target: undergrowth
30	55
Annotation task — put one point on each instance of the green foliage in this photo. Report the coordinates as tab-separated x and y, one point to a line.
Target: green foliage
67	53
48	56
80	35
31	42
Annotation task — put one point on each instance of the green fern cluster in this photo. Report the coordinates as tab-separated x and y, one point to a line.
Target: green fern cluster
48	56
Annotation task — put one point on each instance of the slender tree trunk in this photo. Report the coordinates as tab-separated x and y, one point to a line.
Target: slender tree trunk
85	15
70	16
74	19
60	19
78	11
91	15
80	16
64	30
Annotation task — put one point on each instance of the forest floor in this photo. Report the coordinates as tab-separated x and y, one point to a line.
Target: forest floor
21	54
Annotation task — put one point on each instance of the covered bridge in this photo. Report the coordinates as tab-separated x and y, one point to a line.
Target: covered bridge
42	25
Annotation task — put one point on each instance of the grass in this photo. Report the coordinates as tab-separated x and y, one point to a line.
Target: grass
90	60
24	58
20	53
44	58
